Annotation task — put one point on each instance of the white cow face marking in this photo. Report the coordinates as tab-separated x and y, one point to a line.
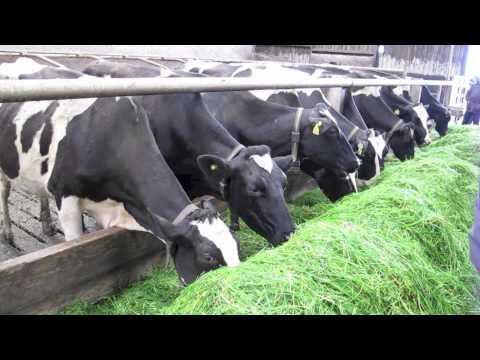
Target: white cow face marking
423	115
352	178
264	161
378	143
219	234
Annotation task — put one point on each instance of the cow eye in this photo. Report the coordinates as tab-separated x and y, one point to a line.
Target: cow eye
209	259
256	192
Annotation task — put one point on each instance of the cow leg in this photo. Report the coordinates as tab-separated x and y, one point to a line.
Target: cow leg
6	234
234	221
70	216
45	217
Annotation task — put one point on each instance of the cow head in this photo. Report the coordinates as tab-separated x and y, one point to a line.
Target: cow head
253	185
199	243
402	142
371	153
335	185
418	117
408	112
323	142
436	111
441	117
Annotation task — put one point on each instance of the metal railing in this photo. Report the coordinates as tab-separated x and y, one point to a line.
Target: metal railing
53	89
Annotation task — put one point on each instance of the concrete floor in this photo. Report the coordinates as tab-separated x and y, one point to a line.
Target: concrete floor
27	228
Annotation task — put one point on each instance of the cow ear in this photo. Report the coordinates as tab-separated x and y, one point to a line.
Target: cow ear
283	162
213	167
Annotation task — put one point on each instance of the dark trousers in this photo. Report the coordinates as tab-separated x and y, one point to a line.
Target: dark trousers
471	118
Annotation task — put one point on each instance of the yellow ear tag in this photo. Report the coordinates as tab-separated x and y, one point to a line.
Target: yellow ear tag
397	111
213	167
360	149
316	128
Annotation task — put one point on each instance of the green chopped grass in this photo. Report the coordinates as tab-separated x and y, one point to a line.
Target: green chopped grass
398	247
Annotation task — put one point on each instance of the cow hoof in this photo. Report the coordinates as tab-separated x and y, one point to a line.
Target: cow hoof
235	227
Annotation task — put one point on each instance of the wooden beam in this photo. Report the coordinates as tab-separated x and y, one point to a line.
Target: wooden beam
85	269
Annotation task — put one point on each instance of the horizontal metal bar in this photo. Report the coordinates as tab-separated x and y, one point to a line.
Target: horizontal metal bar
52	89
186	59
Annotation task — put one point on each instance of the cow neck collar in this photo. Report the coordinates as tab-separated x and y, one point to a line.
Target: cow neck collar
223	183
296	138
399	123
352	132
234	152
187	210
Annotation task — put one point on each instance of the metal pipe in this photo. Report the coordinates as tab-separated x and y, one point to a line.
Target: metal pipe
50	61
53	89
148	61
166	58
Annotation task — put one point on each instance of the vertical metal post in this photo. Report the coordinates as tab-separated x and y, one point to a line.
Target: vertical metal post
449	76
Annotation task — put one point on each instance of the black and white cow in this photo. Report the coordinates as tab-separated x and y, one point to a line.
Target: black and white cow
100	155
253	121
408	112
208	160
19	69
436	111
360	139
376	113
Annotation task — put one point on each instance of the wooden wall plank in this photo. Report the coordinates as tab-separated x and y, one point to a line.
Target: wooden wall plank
85	269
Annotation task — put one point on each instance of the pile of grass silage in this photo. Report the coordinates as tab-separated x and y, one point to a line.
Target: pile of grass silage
399	247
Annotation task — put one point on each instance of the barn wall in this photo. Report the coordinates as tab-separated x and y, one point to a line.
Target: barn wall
424	59
234	52
358	55
342	59
288	53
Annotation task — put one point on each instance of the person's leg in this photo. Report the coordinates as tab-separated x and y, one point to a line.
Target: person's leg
475	238
476	118
467	118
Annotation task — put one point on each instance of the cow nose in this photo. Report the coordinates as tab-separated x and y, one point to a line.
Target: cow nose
286	236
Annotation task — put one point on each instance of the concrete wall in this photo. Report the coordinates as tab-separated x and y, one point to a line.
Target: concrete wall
234	52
